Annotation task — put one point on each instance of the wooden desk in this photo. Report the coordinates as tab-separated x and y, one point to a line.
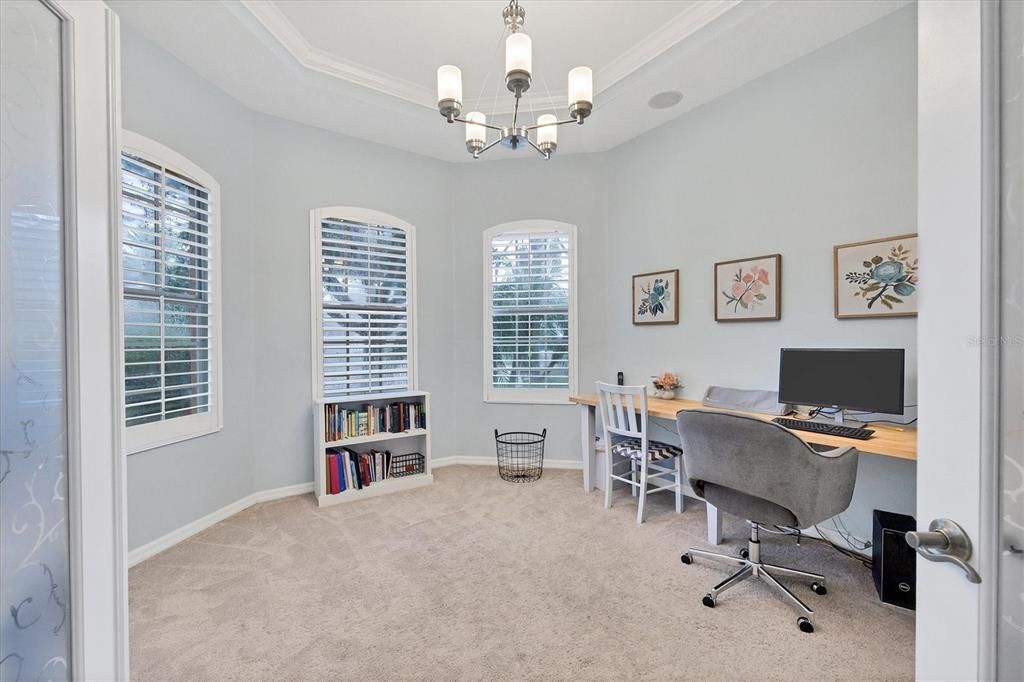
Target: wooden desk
887	441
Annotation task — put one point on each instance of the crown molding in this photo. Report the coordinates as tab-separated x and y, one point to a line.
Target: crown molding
694	17
321	61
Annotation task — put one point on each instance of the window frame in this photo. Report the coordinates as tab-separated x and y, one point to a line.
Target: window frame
142	437
529	396
367	216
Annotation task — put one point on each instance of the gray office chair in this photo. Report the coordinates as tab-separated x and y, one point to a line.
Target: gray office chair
761	472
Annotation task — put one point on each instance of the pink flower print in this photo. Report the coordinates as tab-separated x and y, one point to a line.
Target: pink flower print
747	289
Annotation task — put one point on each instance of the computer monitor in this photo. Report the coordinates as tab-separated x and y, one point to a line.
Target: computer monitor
869	379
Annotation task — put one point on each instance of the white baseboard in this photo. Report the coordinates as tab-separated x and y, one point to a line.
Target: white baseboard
164	542
279	493
491	462
167	541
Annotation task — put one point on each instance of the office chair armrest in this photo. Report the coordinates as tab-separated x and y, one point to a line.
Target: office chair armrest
835	471
835	453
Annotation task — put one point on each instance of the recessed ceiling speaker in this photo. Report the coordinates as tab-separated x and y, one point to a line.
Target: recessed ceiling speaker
665	100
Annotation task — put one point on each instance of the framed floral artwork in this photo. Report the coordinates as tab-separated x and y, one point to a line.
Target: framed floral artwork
877	278
656	297
748	289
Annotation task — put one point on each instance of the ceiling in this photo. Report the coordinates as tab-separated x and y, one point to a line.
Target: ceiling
367	69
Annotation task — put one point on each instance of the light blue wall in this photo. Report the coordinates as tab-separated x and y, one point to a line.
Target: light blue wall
300	168
171	486
568	189
819	152
272	173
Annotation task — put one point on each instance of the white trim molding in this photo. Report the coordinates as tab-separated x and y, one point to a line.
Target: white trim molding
167	431
366	216
168	540
165	542
97	531
574	464
692	17
531	396
321	61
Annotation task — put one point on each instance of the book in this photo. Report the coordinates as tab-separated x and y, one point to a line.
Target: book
336	466
347	469
355	472
364	470
332	475
341	423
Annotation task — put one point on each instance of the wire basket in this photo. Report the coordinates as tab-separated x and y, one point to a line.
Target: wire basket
520	455
406	465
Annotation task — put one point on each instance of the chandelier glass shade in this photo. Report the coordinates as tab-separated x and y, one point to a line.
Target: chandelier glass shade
541	135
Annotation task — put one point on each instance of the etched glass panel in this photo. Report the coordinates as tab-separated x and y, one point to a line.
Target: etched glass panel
34	555
1011	349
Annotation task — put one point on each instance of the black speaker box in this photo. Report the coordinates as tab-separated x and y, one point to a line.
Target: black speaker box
893	561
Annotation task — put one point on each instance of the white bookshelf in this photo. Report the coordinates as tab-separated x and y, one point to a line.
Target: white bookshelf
405	442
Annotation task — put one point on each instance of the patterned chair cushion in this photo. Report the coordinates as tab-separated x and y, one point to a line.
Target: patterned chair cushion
631	448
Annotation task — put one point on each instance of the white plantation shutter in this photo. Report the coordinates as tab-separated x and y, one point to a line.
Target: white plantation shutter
170	349
531	296
364	291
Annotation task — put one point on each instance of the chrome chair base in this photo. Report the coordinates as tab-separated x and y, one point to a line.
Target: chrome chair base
750	565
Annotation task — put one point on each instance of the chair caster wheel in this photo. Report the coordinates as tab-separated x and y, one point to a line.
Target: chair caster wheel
686	559
805	625
819	588
708	601
744	553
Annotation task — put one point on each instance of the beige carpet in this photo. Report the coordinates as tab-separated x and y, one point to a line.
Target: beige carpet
475	578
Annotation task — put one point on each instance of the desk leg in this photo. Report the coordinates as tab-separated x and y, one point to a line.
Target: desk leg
714	524
587	453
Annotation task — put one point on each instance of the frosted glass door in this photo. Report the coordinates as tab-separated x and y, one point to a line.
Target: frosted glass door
1010	611
34	556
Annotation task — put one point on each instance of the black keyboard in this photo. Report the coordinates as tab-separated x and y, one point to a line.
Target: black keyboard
824	427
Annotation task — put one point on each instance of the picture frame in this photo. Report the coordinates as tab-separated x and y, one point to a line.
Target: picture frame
748	289
655	297
876	278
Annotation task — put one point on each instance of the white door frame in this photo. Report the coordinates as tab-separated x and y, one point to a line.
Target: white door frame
97	486
958	190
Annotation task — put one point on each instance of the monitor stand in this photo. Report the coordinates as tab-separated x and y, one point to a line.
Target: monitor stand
839	415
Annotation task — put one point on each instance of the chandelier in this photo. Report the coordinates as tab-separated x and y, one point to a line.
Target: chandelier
518	66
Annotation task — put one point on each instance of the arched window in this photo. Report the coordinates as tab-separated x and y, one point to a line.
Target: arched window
363	303
530	312
170	258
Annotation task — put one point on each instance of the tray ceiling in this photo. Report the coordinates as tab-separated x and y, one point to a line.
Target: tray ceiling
367	68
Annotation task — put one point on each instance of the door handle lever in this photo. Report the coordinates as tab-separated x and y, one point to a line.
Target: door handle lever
945	541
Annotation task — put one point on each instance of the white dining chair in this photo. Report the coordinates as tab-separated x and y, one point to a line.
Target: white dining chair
624	420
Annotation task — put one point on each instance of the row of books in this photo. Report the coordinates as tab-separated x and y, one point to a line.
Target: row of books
350	470
341	423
